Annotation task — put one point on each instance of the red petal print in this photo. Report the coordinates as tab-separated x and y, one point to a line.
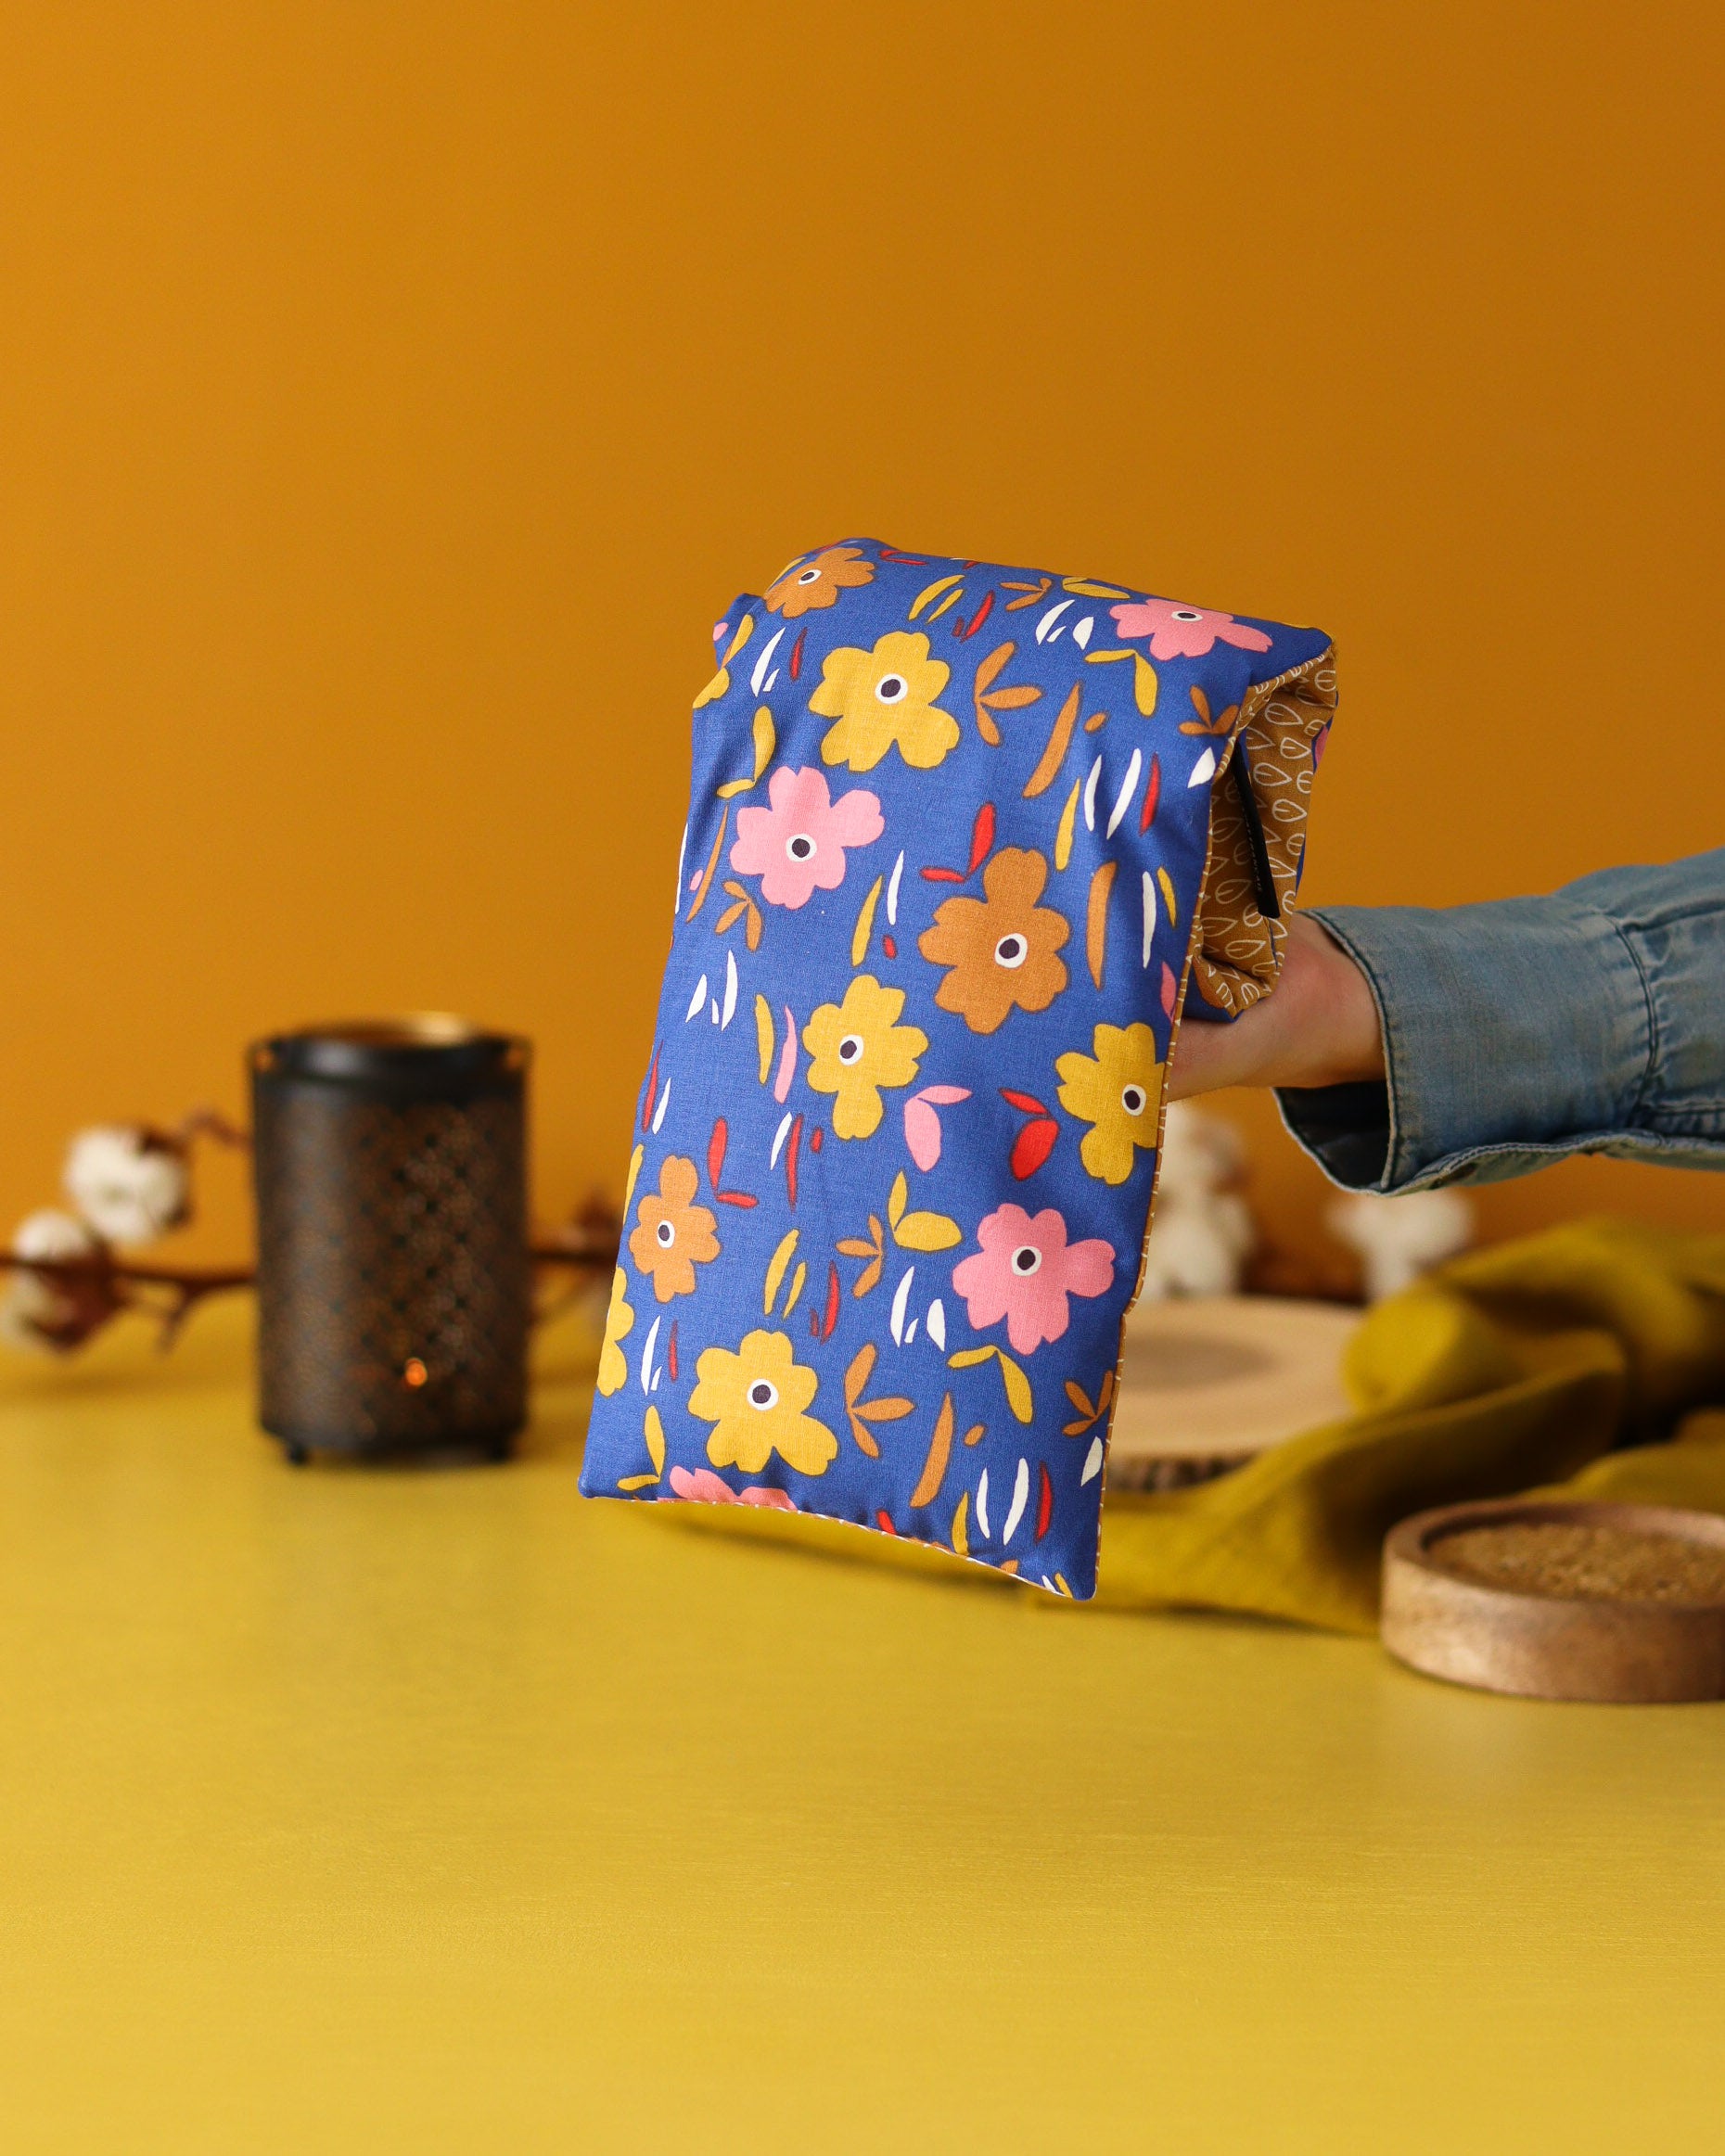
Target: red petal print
889	946
791	1151
670	1352
715	1153
652	1091
1036	1141
884	1522
1171	987
981	838
831	1301
916	561
814	1139
942	875
1152	794
814	1324
1027	1101
1044	1506
979	616
796	670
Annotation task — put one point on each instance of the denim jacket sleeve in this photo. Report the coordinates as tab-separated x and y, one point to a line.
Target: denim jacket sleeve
1518	1032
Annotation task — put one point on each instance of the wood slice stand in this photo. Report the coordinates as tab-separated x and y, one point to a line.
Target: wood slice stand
1209	1381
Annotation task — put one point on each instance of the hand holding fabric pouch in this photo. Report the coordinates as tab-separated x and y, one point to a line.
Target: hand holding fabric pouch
963	842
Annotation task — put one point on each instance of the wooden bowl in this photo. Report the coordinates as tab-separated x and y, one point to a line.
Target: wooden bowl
1209	1382
1561	1601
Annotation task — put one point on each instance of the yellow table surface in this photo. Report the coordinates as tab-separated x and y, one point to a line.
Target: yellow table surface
347	1810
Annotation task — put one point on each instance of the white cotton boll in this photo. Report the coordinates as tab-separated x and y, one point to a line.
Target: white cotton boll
129	1185
52	1234
31	1303
1204	1232
1400	1237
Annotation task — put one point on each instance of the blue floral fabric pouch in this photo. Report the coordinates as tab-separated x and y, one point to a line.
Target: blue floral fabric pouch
964	843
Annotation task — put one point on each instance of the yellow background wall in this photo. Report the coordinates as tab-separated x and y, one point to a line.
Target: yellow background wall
392	395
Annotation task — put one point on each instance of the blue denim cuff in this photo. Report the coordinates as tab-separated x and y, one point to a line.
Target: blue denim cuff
1523	1031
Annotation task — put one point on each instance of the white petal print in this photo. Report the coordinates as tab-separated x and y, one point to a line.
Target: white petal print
909	1331
982	1504
1149	917
1093	1461
899	1302
658	1113
647	1346
1204	771
936	1323
1081	635
765	660
1123	799
696	1001
730	991
786	1120
1048	620
892	892
1020	1491
1090	795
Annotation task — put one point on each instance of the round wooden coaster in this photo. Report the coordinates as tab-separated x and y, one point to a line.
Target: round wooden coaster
1209	1382
1559	1600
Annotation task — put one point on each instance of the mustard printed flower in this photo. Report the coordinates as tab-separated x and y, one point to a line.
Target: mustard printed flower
756	1400
797	847
674	1234
858	1046
619	1321
818	582
1002	949
883	697
1118	1091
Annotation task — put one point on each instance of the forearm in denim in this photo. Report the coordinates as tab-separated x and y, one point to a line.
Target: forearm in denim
1520	1030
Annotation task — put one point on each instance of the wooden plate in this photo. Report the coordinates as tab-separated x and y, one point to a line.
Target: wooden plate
1561	1601
1209	1382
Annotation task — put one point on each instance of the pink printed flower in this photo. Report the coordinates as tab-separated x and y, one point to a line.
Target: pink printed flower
1025	1272
704	1487
797	847
1177	631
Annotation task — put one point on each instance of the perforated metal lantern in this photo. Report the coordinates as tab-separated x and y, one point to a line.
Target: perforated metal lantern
394	1286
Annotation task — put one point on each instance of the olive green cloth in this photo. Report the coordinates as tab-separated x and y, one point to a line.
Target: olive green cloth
1518	1367
1528	1366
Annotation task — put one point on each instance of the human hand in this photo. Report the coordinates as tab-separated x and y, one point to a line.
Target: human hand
1317	1027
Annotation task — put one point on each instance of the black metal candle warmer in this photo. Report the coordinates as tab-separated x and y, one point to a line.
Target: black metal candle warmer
394	1283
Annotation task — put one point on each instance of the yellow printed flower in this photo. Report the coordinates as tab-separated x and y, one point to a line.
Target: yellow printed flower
756	1400
881	697
1118	1092
857	1046
619	1323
